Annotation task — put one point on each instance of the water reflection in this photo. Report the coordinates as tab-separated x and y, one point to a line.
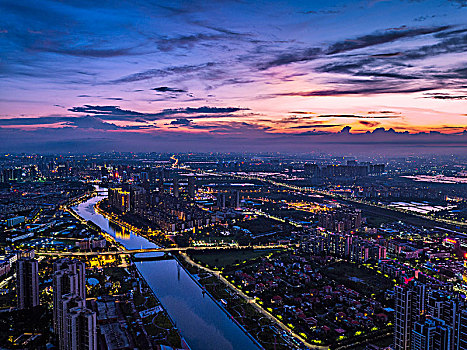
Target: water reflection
121	232
127	238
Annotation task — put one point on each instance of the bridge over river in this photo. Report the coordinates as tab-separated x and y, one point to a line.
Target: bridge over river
161	250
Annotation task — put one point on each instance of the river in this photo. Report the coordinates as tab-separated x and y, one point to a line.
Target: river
203	324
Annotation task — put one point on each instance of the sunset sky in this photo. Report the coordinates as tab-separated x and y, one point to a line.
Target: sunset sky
232	75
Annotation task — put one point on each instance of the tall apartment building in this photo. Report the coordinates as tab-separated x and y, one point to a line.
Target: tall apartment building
236	199
27	283
82	334
403	317
191	186
68	278
119	199
64	305
76	324
138	199
175	187
221	200
128	198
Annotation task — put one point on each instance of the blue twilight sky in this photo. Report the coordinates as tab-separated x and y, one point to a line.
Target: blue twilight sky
233	75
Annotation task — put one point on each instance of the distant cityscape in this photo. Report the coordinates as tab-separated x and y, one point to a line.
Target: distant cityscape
285	252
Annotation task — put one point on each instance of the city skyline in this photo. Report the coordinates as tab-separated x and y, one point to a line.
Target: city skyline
233	76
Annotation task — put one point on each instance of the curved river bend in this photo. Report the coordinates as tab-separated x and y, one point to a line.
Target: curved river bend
203	324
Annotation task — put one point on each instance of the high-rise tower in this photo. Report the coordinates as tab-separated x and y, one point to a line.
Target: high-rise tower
27	283
68	278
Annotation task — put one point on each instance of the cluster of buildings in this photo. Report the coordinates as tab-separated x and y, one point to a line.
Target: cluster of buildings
395	192
91	243
73	323
128	198
347	246
341	220
173	214
171	210
429	317
303	296
18	173
52	167
30	197
45	226
80	323
110	324
352	169
437	255
428	314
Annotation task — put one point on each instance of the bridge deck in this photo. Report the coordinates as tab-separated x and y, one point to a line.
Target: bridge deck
157	250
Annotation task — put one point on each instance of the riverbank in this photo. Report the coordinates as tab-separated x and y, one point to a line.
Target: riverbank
291	337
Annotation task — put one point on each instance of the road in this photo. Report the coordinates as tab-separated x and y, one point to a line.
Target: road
174	165
4	283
